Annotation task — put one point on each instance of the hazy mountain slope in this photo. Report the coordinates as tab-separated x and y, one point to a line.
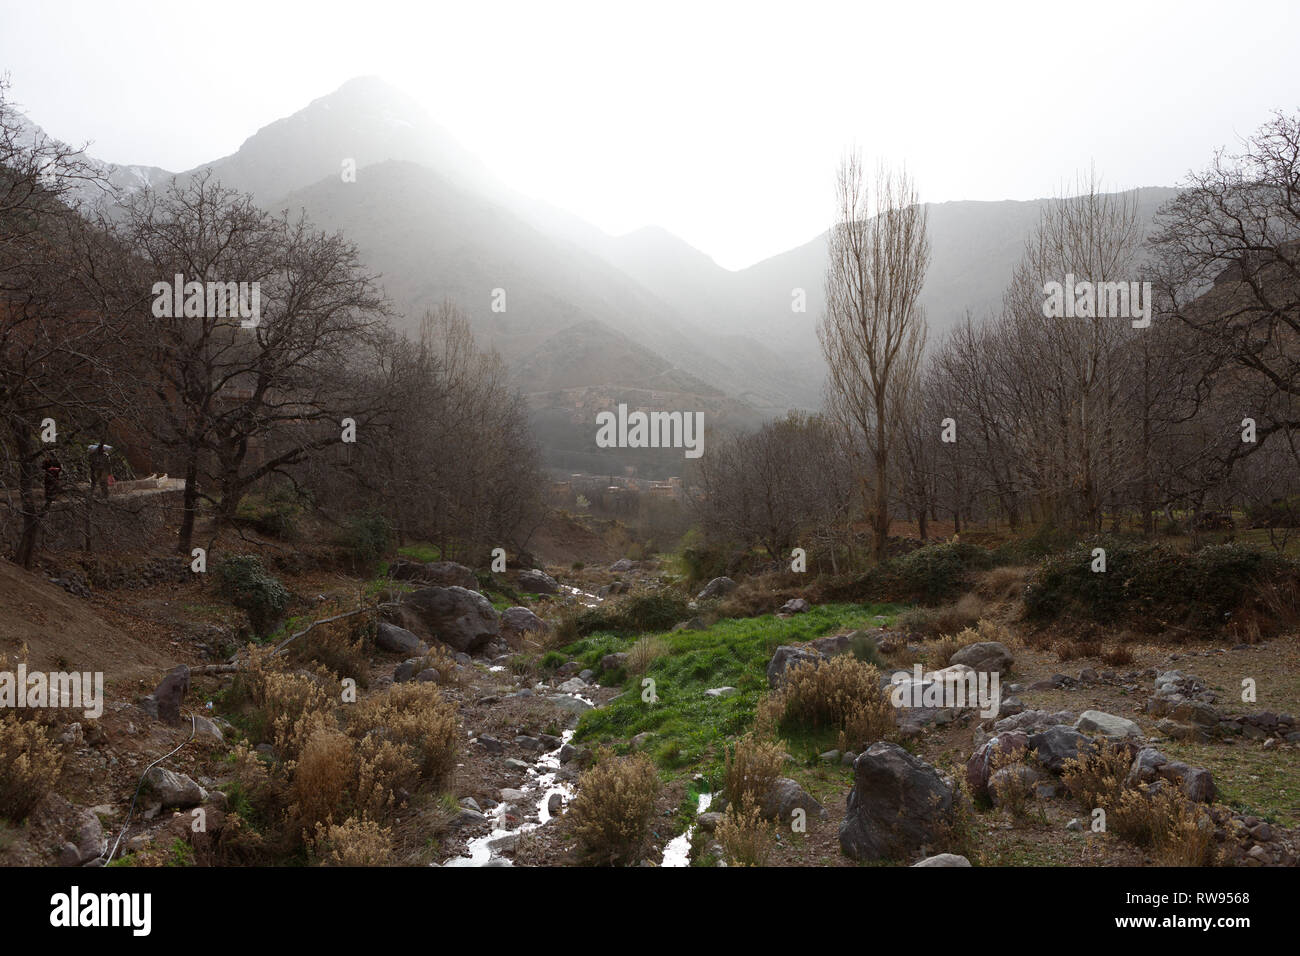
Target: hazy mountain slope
437	224
975	246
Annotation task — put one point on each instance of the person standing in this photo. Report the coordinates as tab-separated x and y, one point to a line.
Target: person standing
99	468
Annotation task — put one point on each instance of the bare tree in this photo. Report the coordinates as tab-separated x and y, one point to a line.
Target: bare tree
873	332
239	399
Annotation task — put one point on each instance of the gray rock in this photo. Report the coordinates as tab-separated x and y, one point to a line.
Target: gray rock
832	645
574	685
555	804
173	790
716	588
462	619
1106	725
1056	745
520	621
430	675
538	582
708	822
785	797
397	640
612	662
205	729
1002	748
1031	721
944	859
88	838
795	606
987	656
621	566
165	702
898	804
570	753
1008	780
785	657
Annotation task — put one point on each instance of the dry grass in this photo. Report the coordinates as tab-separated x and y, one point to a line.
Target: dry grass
611	814
1097	779
1003	585
938	656
644	653
842	693
1072	650
30	766
342	647
1118	656
745	836
1178	832
1015	791
324	780
417	717
352	843
752	767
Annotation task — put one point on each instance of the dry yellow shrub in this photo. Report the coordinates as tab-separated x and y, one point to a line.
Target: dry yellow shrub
30	766
352	843
415	716
610	816
752	767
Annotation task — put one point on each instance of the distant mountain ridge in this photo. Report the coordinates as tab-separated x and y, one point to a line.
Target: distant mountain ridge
643	310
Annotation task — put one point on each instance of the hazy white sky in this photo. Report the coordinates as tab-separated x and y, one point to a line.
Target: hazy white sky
720	122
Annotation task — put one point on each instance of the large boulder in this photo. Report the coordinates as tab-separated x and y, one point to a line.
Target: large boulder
398	640
984	656
1057	745
537	582
165	702
1151	766
898	804
785	797
449	574
462	619
716	589
786	656
173	790
520	621
1000	750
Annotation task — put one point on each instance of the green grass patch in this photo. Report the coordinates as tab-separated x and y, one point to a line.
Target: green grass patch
1250	779
424	553
688	727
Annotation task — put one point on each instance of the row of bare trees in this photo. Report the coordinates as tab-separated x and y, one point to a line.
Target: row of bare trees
1078	421
317	390
1087	422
